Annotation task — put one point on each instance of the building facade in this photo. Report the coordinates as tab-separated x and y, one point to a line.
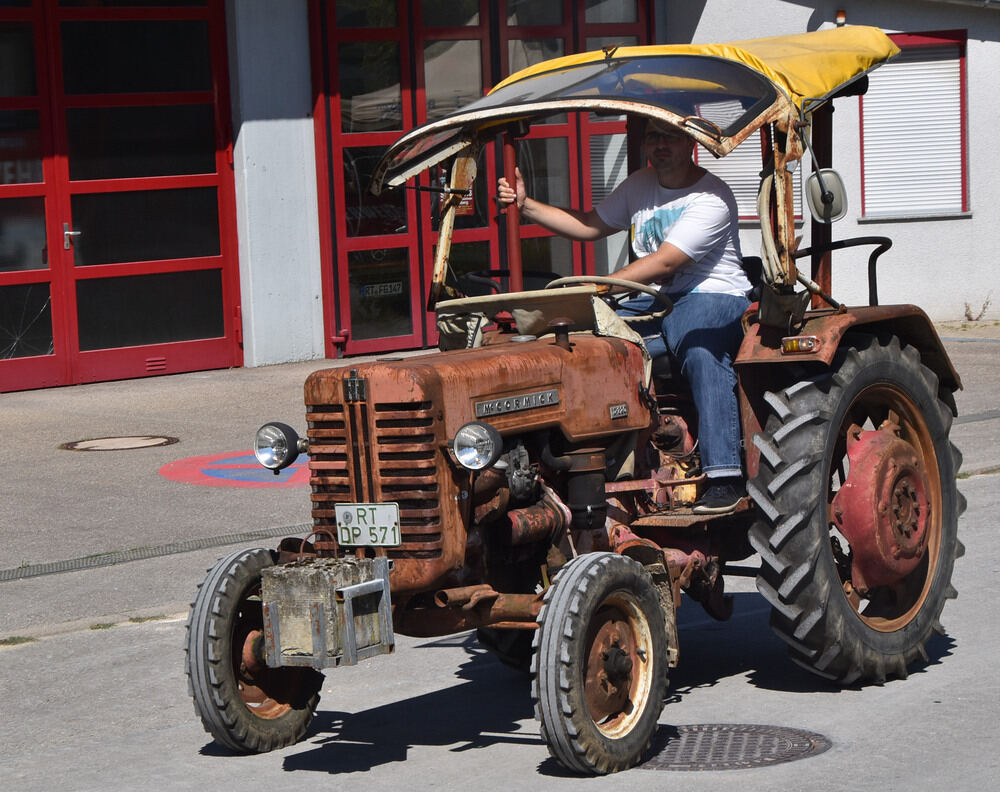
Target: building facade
183	184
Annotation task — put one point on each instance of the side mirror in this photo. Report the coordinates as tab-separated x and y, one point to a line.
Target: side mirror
826	195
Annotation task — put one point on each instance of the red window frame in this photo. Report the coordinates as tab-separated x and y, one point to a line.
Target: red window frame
122	362
69	364
43	370
411	35
488	232
567	129
335	244
579	128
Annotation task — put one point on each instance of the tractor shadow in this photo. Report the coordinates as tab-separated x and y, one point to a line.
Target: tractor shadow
491	704
485	708
745	644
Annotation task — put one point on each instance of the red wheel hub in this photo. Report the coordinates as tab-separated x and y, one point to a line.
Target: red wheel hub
883	507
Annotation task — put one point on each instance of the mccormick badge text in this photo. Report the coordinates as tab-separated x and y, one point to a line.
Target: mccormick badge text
524	401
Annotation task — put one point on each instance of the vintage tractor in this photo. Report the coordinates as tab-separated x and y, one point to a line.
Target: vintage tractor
534	479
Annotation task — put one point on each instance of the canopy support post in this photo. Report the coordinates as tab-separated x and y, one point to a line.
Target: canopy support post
821	233
513	217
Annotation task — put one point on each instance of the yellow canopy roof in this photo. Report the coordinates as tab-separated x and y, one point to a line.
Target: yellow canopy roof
805	66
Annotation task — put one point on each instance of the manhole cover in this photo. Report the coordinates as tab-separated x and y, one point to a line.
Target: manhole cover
731	746
119	443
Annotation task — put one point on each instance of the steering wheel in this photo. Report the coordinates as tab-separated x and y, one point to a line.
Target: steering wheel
629	286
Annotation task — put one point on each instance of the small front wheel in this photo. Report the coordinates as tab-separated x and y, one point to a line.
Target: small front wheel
600	667
242	703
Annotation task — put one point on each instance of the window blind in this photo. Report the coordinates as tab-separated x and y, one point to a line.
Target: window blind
912	135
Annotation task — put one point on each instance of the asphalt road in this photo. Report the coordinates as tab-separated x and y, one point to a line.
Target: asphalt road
98	700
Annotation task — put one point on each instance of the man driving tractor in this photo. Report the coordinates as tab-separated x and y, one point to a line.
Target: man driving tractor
683	227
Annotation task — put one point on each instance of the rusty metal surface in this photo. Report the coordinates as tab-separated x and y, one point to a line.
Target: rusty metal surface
267	691
465	596
611	657
487	484
624	542
482	125
752	384
537	523
607	370
483	608
684	517
512	217
787	150
463	174
380	433
669	595
762	345
388	452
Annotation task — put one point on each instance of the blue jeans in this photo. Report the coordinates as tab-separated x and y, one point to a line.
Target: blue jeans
703	333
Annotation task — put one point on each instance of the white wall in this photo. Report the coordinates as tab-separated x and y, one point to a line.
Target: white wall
939	265
275	172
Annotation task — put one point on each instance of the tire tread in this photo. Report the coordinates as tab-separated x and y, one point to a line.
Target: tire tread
559	703
797	579
223	716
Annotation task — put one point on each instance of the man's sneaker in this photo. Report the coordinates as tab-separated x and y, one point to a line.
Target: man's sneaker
721	497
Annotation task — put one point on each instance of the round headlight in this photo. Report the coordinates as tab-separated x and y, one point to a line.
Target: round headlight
477	445
276	446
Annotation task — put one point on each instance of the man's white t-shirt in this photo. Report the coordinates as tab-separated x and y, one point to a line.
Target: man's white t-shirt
702	220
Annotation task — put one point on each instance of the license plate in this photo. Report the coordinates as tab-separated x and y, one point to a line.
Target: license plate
368	524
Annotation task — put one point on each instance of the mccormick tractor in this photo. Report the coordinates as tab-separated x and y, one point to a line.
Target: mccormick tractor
534	479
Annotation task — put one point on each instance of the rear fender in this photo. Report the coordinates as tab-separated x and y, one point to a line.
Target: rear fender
761	365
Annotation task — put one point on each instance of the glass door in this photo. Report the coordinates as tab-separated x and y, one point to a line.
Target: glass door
454	69
571	160
126	244
387	66
30	331
548	157
384	66
373	287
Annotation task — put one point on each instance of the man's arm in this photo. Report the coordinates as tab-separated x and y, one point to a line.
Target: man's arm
570	223
656	267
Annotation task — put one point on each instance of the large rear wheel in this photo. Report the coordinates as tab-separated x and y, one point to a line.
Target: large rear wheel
600	666
242	703
857	482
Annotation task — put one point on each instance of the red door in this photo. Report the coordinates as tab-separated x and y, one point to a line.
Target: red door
381	68
117	229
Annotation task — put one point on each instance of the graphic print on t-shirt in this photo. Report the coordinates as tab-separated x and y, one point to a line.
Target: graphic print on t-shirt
655	229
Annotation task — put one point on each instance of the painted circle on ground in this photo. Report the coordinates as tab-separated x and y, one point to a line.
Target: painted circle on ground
235	469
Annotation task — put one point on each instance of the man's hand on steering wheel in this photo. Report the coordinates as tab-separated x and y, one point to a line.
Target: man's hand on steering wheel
614	290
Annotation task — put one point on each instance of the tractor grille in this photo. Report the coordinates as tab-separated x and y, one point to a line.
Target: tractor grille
379	453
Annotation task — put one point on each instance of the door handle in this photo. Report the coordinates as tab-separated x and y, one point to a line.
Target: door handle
68	236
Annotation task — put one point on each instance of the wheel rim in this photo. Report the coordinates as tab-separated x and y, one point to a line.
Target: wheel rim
267	692
617	679
885	511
